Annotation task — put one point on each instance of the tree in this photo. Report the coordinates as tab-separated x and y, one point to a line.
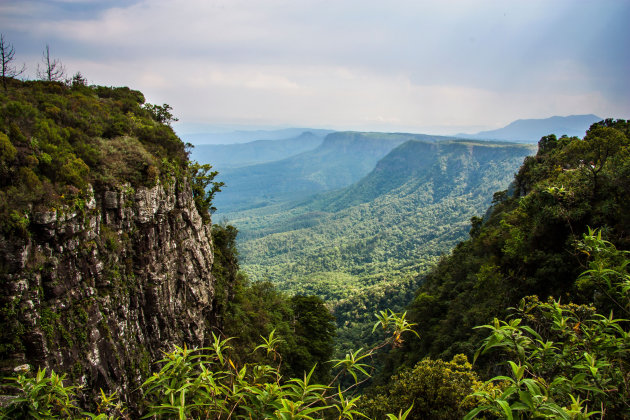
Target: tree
436	389
161	113
78	80
7	56
314	331
204	188
53	70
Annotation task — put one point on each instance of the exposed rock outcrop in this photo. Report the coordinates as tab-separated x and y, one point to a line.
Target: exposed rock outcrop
100	291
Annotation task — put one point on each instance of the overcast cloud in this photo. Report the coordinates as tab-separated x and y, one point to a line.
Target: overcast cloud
397	65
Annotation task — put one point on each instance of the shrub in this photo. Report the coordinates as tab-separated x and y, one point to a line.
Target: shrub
436	389
567	361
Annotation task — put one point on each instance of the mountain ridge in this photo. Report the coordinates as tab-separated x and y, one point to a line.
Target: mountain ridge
396	165
531	130
341	159
229	156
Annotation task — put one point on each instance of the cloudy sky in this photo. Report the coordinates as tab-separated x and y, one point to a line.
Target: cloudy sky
387	65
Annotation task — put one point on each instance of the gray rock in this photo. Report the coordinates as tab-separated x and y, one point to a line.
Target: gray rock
120	286
110	200
45	217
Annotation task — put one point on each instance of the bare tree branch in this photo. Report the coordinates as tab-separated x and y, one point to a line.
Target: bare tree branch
7	56
53	70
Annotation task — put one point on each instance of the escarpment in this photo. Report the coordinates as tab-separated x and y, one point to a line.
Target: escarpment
98	293
105	237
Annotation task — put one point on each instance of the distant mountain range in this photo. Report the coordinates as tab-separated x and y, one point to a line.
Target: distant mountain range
246	136
275	168
531	130
524	130
340	160
225	156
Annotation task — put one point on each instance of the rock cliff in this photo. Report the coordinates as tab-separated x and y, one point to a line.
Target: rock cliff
99	292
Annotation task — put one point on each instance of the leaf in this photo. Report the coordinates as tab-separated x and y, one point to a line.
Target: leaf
506	409
473	413
517	370
526	398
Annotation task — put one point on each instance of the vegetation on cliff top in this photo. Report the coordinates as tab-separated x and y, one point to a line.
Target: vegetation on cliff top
57	138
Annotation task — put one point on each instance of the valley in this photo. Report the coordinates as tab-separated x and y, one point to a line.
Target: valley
413	207
369	242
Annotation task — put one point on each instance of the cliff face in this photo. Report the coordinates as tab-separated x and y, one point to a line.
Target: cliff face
99	292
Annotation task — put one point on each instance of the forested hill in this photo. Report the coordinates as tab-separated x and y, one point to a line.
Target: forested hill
342	158
450	166
527	244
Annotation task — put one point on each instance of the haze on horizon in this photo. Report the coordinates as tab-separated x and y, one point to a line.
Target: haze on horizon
409	65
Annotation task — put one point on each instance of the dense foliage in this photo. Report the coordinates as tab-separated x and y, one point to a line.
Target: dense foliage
566	360
208	383
526	244
57	138
248	311
435	389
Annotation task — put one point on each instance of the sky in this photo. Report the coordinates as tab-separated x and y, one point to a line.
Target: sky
440	67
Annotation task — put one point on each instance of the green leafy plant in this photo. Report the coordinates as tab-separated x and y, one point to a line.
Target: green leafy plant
607	280
387	319
40	396
205	383
568	361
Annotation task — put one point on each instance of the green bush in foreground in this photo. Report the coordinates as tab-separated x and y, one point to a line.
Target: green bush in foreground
436	389
566	360
206	384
